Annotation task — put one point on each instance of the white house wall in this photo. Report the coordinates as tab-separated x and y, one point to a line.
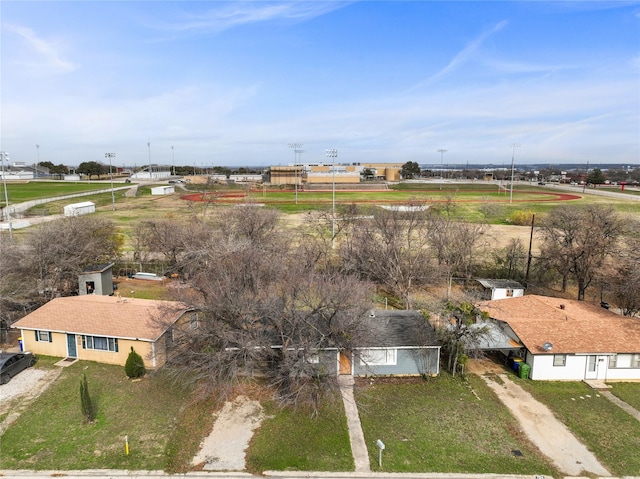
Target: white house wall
575	369
542	367
501	293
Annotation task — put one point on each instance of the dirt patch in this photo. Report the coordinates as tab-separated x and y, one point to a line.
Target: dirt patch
224	449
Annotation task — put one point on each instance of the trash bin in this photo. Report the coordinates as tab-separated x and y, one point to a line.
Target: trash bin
524	370
20	344
516	364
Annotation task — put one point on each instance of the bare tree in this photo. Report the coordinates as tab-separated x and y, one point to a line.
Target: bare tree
510	261
390	248
462	333
57	251
264	309
624	280
577	241
454	243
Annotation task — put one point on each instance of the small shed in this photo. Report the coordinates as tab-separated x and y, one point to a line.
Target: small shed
500	289
162	190
77	209
96	279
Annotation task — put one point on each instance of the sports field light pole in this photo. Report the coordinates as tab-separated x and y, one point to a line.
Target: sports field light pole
5	156
296	149
442	151
513	155
173	160
113	199
333	154
38	152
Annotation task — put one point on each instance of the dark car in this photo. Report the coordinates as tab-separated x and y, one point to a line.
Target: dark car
12	363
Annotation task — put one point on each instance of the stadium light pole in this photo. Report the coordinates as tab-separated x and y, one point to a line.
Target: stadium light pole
5	156
442	151
296	149
173	160
333	154
38	152
113	198
513	155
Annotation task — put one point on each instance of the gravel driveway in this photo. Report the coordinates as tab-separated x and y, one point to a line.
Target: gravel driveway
27	386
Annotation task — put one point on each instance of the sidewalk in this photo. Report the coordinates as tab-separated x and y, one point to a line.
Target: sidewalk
356	436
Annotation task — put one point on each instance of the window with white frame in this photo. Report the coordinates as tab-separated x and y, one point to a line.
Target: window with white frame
44	336
100	343
559	359
379	357
625	361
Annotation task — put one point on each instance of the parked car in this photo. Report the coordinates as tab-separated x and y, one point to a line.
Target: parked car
12	363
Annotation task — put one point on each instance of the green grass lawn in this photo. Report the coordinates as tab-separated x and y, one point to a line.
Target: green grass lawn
34	190
293	440
607	430
439	425
51	433
628	392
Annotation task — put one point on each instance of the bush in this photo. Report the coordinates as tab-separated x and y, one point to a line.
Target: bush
134	367
521	218
88	406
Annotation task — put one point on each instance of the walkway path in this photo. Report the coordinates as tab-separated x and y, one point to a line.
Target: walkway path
550	436
356	436
619	402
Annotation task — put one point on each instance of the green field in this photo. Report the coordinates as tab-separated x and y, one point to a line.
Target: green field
35	190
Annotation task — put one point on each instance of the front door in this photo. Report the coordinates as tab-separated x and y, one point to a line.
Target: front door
596	367
592	367
345	362
71	346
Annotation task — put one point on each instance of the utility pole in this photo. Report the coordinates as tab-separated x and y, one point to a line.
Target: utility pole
513	156
113	198
526	276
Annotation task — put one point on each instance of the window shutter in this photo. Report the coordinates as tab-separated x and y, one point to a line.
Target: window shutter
50	336
37	339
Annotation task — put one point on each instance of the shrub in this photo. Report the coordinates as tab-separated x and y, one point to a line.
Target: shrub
521	218
88	405
134	367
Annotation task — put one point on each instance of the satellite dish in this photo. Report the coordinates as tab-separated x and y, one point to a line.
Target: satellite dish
547	346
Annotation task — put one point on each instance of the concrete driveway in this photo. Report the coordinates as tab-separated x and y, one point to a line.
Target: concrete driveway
551	436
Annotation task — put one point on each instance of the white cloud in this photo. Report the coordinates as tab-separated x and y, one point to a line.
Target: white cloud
462	57
48	53
235	14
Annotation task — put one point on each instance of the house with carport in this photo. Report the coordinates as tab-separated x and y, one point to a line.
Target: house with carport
565	339
105	328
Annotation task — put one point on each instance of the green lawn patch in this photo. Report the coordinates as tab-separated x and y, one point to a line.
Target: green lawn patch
607	430
628	392
34	190
439	425
51	434
293	440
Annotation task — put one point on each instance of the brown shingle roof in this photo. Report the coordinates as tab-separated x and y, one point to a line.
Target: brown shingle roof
578	328
99	315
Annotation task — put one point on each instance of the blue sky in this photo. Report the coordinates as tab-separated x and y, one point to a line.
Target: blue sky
233	83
